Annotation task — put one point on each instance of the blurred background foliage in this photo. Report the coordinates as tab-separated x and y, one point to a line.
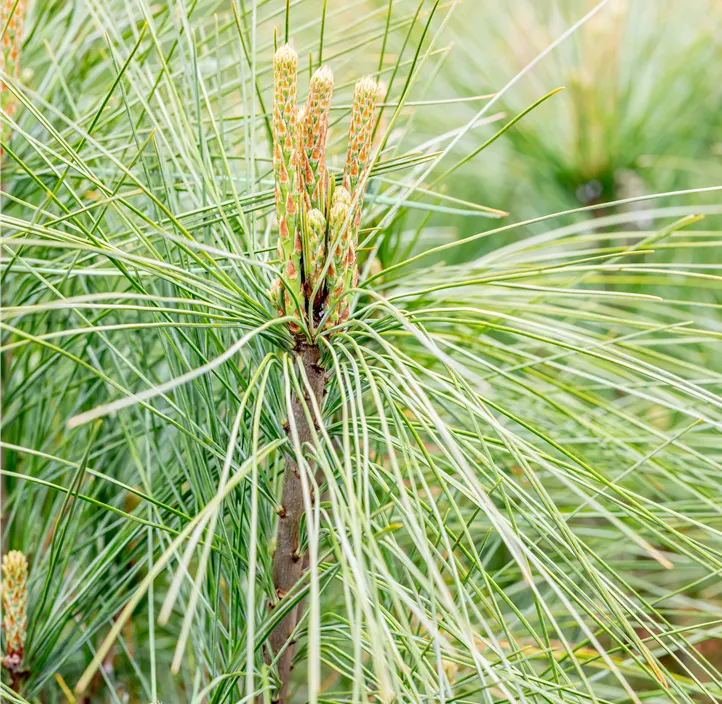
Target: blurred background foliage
639	114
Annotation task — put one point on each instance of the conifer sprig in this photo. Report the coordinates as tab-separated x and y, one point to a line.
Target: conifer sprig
316	235
496	482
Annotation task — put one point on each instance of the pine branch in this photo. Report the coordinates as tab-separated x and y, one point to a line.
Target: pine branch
288	563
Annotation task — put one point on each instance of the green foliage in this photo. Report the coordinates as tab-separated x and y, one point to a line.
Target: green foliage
519	450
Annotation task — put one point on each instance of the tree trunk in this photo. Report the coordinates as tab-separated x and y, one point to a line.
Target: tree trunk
288	563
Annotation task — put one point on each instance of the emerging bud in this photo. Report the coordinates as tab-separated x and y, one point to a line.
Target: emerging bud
314	132
339	211
358	156
341	253
316	234
285	67
285	166
276	295
14	590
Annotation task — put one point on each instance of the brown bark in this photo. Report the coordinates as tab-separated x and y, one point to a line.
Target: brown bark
16	680
288	563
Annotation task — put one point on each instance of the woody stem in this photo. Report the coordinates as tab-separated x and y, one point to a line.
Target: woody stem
288	563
